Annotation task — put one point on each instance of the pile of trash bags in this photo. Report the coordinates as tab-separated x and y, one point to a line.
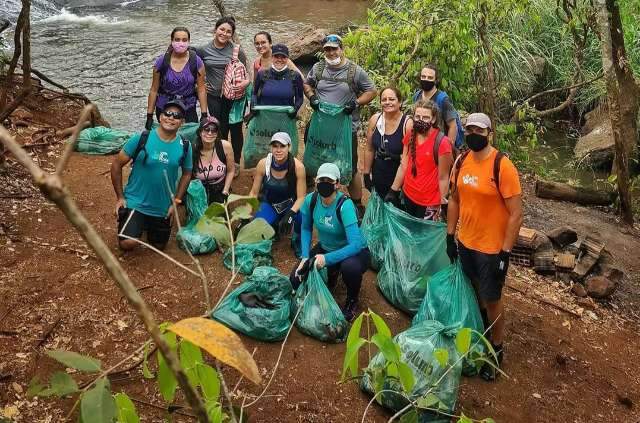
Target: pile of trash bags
249	256
374	230
101	140
188	237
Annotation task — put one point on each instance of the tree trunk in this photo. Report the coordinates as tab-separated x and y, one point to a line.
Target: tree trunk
563	192
17	51
489	100
607	9
26	45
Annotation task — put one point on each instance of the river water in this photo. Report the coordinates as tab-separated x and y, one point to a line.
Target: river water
107	52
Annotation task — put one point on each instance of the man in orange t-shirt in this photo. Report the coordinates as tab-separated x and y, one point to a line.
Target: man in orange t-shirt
490	215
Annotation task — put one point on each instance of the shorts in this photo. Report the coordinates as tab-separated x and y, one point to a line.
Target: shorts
431	213
481	268
158	229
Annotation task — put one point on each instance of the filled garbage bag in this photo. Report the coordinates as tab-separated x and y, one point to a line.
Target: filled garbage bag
451	300
260	307
101	140
374	229
329	141
417	347
414	250
188	238
250	256
270	119
320	317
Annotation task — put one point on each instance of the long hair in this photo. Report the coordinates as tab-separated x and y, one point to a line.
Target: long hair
178	29
435	112
198	146
227	20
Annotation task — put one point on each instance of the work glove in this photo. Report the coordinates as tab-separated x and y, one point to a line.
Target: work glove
314	102
502	265
286	223
302	272
149	122
393	197
368	182
293	114
350	107
452	248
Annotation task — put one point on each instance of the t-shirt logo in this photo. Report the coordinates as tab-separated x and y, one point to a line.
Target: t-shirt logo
328	221
163	157
470	180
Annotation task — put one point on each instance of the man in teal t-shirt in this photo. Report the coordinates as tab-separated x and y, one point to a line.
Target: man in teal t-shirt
145	205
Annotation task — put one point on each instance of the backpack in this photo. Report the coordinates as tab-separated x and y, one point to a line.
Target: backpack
349	80
166	64
234	72
267	76
341	201
439	98
496	170
142	143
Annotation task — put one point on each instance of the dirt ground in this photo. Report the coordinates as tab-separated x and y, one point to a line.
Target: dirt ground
563	366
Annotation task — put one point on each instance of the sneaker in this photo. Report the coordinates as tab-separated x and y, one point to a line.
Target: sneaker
488	372
350	310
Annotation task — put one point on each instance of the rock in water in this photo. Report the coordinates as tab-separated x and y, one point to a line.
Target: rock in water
597	147
563	236
304	45
600	287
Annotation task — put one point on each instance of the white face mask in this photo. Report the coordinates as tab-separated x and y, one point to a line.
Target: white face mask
273	66
333	62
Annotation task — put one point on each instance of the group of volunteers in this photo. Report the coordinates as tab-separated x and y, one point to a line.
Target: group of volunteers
423	161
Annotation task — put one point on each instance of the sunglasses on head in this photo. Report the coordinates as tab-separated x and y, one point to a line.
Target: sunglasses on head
175	115
332	39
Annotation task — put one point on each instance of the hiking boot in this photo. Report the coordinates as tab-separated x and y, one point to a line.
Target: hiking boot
489	372
350	310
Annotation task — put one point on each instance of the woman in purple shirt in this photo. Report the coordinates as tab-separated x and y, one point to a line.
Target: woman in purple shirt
178	74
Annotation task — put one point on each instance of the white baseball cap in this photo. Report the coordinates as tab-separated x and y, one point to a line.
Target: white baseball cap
281	137
328	170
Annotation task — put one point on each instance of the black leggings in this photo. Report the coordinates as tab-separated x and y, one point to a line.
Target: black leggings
220	107
351	268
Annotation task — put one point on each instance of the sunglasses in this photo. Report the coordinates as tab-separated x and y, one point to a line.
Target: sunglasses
175	115
210	130
332	39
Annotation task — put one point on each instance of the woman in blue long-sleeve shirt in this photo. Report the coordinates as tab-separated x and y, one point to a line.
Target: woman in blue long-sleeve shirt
341	247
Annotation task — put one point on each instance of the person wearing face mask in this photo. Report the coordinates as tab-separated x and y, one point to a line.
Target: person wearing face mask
341	247
486	202
263	43
384	142
450	119
280	184
178	74
337	80
279	85
213	161
423	175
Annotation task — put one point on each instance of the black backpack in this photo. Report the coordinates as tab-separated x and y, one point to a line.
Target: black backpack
496	170
341	201
166	64
142	143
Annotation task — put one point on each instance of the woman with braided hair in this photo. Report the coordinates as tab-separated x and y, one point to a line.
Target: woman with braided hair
423	175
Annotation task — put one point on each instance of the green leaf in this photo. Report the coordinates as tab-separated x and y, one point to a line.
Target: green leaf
63	384
464	419
76	361
463	340
429	401
190	356
255	231
215	210
145	363
351	358
214	411
216	228
126	410
488	420
167	383
378	377
406	377
410	416
386	346
35	387
209	382
354	331
242	212
381	326
97	404
442	356
252	201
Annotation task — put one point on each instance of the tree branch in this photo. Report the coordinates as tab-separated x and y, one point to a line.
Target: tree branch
220	6
555	90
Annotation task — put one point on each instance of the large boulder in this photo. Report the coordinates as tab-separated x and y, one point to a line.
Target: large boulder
597	147
304	45
600	287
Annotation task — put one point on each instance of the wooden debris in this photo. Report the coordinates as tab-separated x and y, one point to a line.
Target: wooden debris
565	192
565	262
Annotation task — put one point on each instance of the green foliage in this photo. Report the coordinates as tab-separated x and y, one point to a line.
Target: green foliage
76	361
519	141
167	383
97	404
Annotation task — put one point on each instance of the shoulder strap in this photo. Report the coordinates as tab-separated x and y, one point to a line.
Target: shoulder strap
166	62
312	204
496	169
319	71
220	151
341	200
440	97
193	64
351	77
416	95
436	146
456	166
236	52
142	142
185	149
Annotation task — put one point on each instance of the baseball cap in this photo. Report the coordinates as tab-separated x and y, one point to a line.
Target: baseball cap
209	121
332	40
280	49
328	170
478	119
175	103
281	137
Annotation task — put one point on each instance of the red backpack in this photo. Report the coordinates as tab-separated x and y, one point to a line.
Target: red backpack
234	72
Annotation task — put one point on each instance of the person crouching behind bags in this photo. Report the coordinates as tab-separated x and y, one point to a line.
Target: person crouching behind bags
423	174
280	184
213	161
341	247
486	199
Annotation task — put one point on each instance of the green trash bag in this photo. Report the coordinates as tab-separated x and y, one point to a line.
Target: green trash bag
320	317
260	307
414	250
270	120
329	141
374	229
250	256
236	114
188	238
101	140
451	300
417	346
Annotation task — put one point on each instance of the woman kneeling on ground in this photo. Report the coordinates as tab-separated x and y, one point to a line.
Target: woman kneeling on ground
280	184
213	161
424	170
341	247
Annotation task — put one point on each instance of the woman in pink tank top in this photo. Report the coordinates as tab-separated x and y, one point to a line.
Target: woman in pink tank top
213	162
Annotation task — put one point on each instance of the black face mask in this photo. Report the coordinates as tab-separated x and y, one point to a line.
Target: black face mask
427	85
421	126
325	189
476	142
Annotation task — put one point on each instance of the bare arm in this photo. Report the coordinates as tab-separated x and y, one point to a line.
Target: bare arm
452	132
444	172
309	90
514	206
257	179
153	91
369	151
301	186
183	183
231	166
399	179
116	177
202	91
366	97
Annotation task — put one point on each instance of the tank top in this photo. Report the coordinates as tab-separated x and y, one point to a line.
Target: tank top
212	171
389	144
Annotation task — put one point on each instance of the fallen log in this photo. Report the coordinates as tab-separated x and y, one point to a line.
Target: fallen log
565	192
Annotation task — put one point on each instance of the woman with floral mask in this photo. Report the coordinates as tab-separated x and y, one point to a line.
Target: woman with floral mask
178	74
341	247
425	166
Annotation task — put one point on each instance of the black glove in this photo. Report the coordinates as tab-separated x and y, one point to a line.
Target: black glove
293	114
452	248
302	273
393	197
203	116
368	182
286	223
149	122
252	113
502	265
314	102
225	197
444	208
351	107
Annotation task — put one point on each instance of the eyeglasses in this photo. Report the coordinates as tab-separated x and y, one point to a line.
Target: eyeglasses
210	130
175	115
